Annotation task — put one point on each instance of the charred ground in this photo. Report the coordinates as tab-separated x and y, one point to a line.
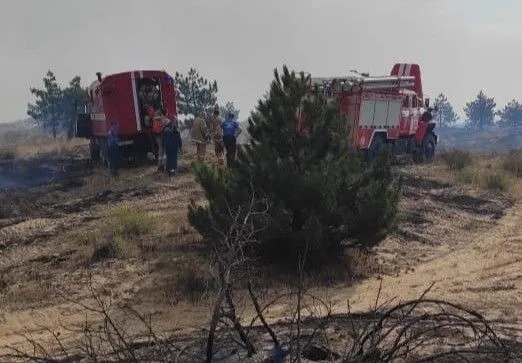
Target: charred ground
51	237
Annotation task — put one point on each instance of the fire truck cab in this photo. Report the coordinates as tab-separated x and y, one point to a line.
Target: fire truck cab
122	98
383	110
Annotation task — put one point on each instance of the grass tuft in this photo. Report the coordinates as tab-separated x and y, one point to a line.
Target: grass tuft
457	159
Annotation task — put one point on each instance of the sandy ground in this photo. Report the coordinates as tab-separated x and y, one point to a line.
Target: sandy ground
464	240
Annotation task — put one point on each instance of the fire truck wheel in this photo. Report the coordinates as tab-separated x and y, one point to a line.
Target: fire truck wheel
428	147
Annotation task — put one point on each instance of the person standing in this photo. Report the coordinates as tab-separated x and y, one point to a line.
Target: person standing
217	135
231	131
200	136
172	144
158	124
113	149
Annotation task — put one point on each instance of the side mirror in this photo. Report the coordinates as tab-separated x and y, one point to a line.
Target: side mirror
427	102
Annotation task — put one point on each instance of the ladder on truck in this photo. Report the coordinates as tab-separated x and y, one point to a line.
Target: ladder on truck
335	85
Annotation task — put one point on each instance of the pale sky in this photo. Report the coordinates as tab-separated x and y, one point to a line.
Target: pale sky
462	46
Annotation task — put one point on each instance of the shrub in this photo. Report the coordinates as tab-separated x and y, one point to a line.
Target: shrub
114	238
192	283
317	191
130	222
457	159
112	247
497	181
465	176
513	163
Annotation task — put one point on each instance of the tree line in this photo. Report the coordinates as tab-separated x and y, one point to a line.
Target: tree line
480	113
55	106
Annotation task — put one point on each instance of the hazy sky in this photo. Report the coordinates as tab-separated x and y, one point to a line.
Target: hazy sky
462	45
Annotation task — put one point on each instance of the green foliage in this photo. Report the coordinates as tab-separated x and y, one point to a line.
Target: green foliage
74	98
195	93
55	108
513	163
457	159
116	236
497	181
466	176
129	222
317	191
445	116
511	114
228	108
480	112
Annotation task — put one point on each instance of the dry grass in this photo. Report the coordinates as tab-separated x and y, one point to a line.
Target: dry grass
457	159
118	235
512	163
486	172
26	141
38	147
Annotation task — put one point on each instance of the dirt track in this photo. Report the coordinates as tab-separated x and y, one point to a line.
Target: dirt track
466	241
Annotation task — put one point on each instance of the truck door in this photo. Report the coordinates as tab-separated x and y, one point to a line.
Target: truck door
406	115
414	115
83	126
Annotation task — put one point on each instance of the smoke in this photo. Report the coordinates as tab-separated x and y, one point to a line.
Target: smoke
493	139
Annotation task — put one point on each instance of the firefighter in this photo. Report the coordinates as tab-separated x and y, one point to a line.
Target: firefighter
158	123
172	143
217	134
113	150
231	130
200	136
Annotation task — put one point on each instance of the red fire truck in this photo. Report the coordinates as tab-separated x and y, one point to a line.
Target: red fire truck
385	110
122	98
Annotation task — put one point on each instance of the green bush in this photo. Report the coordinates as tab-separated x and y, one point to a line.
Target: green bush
497	181
457	159
513	163
317	191
109	248
130	222
465	176
115	235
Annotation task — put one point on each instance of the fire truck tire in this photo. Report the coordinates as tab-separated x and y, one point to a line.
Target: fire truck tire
418	156
428	147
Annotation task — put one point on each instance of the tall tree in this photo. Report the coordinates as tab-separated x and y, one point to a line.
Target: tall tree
195	93
74	98
511	114
445	116
317	192
46	111
55	107
228	108
480	112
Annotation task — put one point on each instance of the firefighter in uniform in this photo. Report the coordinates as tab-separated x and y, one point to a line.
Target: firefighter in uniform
231	130
217	135
200	136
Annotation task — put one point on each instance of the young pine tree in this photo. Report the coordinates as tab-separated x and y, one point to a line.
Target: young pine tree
316	190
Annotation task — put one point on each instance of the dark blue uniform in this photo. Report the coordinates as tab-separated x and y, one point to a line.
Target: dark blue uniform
172	144
113	151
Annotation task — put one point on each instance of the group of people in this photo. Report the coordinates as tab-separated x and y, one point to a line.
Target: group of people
166	137
222	133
